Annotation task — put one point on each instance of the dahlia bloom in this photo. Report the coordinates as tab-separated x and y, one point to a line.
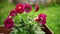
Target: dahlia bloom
8	23
28	8
20	8
13	13
41	19
36	7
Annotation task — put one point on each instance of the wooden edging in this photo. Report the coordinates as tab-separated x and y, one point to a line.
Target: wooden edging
46	29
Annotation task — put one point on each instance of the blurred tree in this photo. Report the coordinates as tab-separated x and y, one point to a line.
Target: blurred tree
25	1
58	1
0	1
47	2
10	1
53	1
32	2
15	1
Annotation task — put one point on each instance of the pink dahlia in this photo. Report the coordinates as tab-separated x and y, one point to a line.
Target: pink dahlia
36	7
8	23
28	8
41	19
20	8
13	13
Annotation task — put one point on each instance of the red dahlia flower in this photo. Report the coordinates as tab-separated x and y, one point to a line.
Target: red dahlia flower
8	23
41	19
13	13
36	7
28	8
20	8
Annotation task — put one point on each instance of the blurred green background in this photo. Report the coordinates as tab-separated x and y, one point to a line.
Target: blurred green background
49	7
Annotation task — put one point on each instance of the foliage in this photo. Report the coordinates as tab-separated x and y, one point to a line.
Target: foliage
24	24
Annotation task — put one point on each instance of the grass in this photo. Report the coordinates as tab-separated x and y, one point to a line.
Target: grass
52	12
4	12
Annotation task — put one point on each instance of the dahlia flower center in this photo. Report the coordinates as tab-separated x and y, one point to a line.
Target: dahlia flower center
8	22
41	19
20	7
26	8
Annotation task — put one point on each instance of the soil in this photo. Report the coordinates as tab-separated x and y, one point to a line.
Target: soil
4	30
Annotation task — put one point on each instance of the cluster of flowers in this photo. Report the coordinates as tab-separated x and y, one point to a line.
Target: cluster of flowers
20	8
